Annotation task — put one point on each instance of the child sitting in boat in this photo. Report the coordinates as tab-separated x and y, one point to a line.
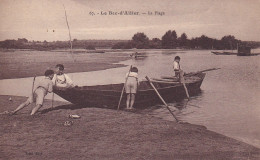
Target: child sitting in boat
44	87
60	79
131	87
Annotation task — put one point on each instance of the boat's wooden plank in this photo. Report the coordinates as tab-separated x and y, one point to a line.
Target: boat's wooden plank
108	95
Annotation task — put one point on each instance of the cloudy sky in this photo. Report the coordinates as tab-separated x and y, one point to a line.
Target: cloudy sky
45	19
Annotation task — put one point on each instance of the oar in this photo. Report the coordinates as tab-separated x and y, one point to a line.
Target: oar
161	98
123	88
190	74
52	99
206	70
167	82
33	83
33	86
182	80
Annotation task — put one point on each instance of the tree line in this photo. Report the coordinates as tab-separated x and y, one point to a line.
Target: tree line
169	40
23	43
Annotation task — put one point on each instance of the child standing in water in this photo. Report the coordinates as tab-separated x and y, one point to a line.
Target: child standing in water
44	87
61	79
131	87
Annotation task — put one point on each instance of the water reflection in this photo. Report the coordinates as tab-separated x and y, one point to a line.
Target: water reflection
181	107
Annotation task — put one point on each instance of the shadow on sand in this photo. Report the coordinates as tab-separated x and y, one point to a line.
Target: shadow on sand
66	106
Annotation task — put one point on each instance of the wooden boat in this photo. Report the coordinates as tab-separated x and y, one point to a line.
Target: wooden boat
252	54
224	53
245	51
242	51
108	95
138	55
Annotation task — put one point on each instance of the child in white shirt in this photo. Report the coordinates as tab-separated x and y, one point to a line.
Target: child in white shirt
61	79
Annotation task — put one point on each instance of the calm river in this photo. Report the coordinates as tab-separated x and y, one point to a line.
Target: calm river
230	99
229	103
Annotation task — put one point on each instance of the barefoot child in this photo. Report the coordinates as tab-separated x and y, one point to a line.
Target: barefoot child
61	79
131	87
179	74
44	87
176	66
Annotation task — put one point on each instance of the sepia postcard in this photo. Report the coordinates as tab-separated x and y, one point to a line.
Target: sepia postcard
129	79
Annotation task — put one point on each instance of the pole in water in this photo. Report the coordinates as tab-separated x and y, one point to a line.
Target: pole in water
69	33
33	83
182	80
53	92
161	98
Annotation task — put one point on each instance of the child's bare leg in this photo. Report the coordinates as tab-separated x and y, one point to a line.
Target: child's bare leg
128	100
132	100
35	109
21	106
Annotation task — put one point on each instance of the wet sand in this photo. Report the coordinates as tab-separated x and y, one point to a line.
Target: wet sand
20	64
108	134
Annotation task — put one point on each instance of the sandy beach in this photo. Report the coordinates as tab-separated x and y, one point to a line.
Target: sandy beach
108	134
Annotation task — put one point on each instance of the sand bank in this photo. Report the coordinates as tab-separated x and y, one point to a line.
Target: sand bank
108	134
20	64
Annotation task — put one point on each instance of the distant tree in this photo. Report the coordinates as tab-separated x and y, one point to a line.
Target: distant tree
205	42
183	40
90	47
9	44
202	42
155	43
123	45
194	43
156	40
22	40
169	39
229	42
140	40
174	35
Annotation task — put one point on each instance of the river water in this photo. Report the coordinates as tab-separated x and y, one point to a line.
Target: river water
228	104
230	100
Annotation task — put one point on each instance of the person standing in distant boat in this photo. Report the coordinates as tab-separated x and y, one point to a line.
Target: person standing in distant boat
179	73
131	87
60	79
44	87
177	68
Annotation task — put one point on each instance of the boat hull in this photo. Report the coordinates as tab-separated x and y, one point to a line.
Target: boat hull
223	53
238	54
108	96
